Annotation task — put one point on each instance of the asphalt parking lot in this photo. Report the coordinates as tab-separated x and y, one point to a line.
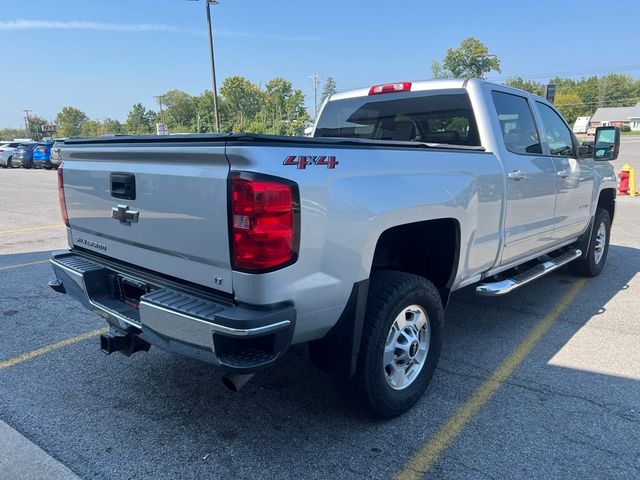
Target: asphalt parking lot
544	383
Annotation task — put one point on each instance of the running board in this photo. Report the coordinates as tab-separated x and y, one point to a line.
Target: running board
506	286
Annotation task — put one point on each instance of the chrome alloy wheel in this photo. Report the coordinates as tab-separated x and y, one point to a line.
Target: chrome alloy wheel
601	243
406	348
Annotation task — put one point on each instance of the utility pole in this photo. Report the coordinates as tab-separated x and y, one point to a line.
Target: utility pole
314	78
208	4
28	123
159	99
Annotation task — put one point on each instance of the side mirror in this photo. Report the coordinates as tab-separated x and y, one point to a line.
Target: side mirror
585	150
606	145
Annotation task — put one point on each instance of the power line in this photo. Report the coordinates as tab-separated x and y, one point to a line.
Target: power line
623	68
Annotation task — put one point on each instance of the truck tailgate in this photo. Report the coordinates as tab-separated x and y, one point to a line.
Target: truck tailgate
175	223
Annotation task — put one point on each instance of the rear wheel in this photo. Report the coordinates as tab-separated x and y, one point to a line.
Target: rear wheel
401	342
593	262
9	163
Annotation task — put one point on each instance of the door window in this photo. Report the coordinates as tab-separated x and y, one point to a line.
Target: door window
558	134
516	123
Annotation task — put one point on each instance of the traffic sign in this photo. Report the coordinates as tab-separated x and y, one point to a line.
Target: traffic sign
162	129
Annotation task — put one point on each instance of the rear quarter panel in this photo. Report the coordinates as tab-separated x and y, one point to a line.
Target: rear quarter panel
345	210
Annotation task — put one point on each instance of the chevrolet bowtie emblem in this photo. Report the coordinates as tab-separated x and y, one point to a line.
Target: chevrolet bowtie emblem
124	215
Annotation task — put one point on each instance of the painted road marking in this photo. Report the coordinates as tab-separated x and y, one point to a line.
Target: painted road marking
424	459
18	265
50	348
31	229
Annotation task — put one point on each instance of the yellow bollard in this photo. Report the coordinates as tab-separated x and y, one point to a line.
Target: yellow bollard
632	182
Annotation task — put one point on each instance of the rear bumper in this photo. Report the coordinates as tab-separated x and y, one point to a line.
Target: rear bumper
41	163
189	322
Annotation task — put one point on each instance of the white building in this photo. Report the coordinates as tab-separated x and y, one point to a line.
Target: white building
617	117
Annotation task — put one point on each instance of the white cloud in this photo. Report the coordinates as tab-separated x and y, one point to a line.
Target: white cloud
84	25
138	27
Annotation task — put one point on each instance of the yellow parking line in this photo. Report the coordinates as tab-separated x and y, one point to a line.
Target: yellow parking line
424	459
31	229
18	265
50	348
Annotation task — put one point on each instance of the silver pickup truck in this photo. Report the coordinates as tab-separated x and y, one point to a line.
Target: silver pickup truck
230	248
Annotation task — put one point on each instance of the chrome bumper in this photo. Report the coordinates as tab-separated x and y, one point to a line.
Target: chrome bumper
188	322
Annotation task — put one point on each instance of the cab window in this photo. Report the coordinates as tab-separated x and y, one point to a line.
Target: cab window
558	134
516	123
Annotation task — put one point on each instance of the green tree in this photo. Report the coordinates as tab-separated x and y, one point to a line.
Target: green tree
140	120
570	105
112	126
91	128
283	110
11	133
179	111
70	121
527	85
471	59
35	126
241	101
328	89
617	90
205	121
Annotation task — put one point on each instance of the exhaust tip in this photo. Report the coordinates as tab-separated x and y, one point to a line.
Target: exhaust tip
236	382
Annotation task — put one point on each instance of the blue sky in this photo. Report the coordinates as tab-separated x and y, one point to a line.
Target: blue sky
104	56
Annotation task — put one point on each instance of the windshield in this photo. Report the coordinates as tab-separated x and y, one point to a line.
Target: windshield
432	117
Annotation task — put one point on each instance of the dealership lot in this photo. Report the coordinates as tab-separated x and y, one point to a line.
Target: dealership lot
544	383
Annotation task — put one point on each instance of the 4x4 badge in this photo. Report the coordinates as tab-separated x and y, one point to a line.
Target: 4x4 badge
303	160
124	215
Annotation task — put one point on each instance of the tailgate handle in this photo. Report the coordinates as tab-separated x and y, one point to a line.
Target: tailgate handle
123	185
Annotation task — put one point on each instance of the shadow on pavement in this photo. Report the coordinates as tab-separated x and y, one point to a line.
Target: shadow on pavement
162	415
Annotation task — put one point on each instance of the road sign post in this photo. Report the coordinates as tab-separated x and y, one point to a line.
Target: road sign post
162	129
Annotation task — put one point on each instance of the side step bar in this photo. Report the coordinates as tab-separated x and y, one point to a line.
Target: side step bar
506	286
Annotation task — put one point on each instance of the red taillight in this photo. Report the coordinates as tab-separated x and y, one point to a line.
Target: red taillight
63	203
390	87
264	223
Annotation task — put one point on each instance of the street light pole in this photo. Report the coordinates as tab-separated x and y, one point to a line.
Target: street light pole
208	4
314	79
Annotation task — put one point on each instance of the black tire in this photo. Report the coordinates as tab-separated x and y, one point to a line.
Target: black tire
9	163
587	266
389	294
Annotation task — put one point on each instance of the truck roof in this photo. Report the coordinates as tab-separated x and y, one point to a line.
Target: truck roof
417	86
425	85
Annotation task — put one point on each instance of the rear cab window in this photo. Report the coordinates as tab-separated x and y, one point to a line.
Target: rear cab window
423	116
517	125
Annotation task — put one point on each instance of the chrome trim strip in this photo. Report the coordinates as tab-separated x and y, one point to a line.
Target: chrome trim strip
222	328
243	332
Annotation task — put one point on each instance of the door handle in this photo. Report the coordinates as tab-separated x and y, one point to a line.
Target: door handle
563	173
516	175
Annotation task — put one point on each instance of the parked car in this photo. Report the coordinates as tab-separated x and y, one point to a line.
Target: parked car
6	152
56	152
351	241
42	155
23	155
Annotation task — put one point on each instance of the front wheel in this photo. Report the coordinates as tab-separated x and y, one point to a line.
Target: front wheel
401	342
591	264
